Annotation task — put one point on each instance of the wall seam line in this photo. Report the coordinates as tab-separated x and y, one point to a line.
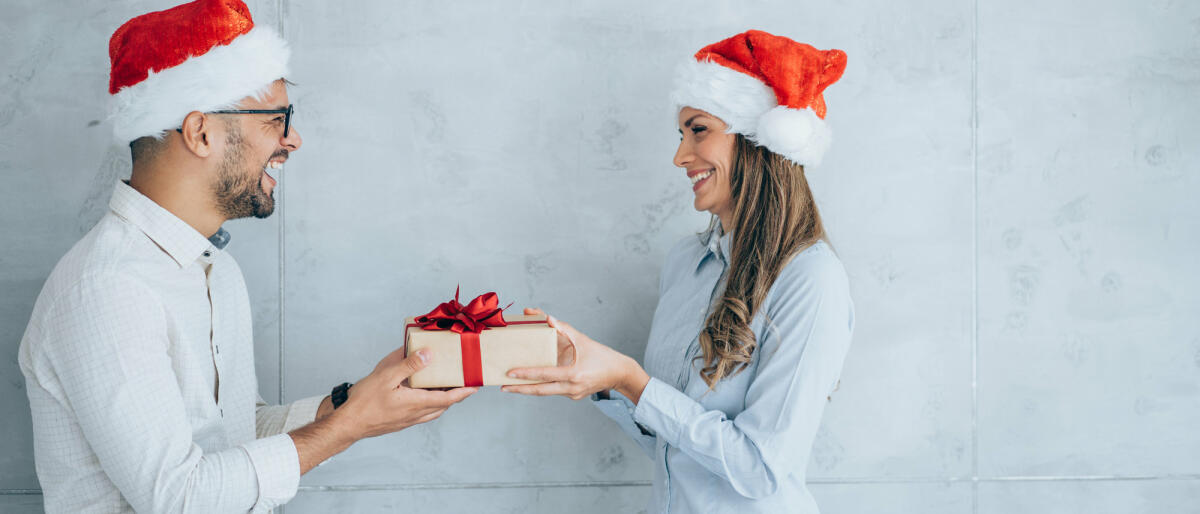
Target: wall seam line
641	483
282	230
975	259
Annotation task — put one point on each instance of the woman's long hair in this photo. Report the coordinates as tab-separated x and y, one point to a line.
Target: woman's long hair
774	218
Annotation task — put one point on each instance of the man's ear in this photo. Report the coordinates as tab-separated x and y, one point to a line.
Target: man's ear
198	133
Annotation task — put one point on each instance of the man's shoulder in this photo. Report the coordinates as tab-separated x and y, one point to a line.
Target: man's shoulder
103	258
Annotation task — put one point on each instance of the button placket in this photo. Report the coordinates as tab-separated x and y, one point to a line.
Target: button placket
214	322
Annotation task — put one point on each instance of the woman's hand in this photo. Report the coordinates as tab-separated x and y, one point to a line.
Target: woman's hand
584	367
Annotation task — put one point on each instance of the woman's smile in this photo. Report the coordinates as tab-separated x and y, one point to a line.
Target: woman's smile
699	178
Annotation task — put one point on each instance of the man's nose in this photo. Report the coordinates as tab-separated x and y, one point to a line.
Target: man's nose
293	141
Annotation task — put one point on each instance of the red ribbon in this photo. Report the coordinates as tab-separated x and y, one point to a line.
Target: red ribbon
467	321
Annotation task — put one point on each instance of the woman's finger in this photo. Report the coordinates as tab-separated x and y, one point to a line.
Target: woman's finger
546	389
553	374
563	327
534	311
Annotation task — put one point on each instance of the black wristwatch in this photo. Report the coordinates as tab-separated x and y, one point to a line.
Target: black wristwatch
339	394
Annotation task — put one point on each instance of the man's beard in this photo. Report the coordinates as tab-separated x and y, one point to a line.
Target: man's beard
238	194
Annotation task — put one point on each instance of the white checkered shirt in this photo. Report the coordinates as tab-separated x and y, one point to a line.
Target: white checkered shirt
139	363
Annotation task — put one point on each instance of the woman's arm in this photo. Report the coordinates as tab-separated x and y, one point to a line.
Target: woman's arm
801	356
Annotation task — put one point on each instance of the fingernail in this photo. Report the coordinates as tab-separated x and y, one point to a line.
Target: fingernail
424	355
513	375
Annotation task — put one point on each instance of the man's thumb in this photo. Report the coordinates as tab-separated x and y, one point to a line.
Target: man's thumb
413	363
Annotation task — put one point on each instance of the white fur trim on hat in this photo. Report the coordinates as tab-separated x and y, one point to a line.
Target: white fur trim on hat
216	80
797	134
748	107
735	97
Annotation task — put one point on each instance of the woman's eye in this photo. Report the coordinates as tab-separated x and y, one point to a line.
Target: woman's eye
696	129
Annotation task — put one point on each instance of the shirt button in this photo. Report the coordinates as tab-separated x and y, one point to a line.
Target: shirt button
218	347
208	254
222	412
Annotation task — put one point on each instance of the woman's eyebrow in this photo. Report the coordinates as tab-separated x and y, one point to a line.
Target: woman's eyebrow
688	123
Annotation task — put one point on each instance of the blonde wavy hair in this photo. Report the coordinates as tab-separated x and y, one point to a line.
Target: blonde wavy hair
774	218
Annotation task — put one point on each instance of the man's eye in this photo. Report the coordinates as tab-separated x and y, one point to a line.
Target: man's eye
278	119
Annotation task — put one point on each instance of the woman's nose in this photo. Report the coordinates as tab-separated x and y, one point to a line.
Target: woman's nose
683	155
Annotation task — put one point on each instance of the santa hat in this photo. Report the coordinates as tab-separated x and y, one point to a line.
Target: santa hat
765	87
200	56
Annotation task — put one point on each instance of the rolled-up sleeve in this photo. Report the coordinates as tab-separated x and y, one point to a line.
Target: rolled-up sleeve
107	339
809	318
281	419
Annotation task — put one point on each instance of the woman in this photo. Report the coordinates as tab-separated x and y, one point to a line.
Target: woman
754	317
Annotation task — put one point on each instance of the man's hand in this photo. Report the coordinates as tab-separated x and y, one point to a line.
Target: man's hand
378	404
381	403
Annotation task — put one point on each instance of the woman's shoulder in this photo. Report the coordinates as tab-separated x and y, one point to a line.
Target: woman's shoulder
687	250
814	270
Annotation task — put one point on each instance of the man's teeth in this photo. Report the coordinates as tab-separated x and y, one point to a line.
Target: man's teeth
275	165
700	176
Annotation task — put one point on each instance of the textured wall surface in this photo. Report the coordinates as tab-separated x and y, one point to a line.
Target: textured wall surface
1012	188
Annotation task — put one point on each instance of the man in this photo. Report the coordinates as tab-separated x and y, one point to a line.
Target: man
139	357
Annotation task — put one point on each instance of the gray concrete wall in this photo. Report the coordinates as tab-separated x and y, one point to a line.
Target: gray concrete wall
1012	188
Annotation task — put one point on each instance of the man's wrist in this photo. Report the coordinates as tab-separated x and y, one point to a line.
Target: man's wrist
342	423
325	409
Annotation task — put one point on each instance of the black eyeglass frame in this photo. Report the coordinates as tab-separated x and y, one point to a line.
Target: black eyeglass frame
287	119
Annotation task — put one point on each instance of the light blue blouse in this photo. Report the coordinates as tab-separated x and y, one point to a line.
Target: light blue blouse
745	446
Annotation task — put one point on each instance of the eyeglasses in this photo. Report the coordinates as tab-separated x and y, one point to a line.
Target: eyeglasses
287	116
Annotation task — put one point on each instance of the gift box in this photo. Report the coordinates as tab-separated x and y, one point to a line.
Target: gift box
475	344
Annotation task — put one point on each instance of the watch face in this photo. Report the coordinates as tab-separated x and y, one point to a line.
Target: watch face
339	394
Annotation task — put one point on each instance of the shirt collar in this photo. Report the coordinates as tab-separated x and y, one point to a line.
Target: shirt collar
178	239
716	243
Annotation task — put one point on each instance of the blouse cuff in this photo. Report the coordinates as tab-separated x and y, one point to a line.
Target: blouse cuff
665	410
620	409
277	466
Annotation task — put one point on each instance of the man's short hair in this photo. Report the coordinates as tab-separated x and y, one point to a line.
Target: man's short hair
146	148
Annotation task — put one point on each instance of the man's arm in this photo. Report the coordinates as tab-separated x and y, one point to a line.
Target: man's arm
106	339
378	404
271	420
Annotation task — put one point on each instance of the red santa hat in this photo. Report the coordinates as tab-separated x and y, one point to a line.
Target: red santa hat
765	87
204	55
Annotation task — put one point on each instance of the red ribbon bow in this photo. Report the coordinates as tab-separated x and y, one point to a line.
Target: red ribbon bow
480	314
467	321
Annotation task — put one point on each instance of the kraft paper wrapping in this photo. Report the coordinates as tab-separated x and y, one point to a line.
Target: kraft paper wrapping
500	349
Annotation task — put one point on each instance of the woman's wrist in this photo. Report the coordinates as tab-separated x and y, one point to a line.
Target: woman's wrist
633	381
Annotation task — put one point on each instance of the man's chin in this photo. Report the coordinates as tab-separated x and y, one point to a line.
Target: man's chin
264	209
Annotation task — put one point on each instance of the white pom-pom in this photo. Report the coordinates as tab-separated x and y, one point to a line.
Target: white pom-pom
797	134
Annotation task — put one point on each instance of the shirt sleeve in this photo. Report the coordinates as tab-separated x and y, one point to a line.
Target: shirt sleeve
620	409
809	324
281	419
106	339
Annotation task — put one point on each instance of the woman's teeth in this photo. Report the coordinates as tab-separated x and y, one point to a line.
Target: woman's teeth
700	176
